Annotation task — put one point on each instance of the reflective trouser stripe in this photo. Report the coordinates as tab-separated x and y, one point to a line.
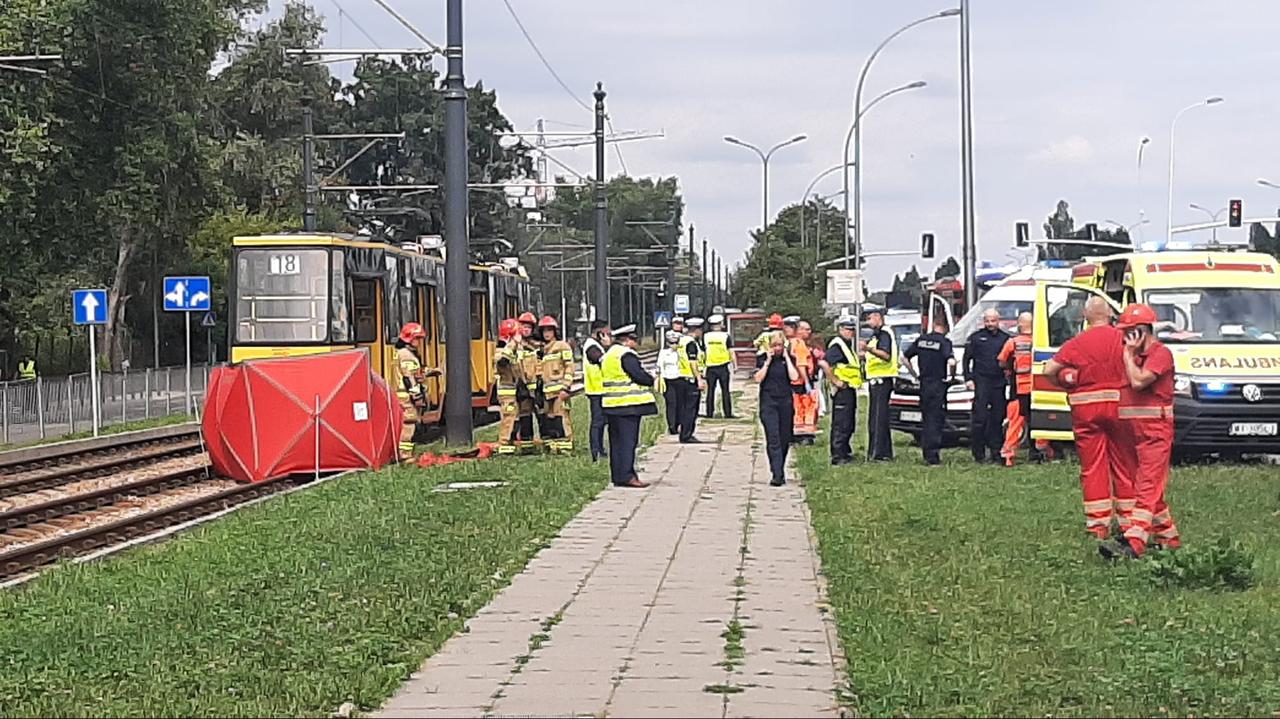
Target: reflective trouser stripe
1094	397
1107	466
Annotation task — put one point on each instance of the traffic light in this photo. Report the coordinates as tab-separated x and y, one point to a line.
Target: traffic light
1235	213
1022	234
926	245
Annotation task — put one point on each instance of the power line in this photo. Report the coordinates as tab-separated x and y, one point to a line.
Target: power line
543	58
342	11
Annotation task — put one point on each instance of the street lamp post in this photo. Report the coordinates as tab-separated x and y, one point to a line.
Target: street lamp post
805	199
764	158
849	140
1173	129
1142	214
968	244
857	131
1212	215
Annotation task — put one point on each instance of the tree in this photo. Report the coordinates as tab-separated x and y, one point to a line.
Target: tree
949	268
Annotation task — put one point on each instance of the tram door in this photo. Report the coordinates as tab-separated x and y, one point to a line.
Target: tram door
366	303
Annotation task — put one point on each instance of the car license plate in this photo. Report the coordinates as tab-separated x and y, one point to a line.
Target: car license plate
912	417
1254	429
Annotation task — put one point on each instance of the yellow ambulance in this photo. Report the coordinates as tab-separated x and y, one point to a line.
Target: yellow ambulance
1220	316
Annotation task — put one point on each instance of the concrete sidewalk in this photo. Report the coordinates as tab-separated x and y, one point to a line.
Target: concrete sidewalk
697	597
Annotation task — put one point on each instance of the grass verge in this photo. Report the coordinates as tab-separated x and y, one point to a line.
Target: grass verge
292	607
966	591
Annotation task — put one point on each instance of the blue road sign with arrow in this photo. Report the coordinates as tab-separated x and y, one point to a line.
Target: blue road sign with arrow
187	294
89	307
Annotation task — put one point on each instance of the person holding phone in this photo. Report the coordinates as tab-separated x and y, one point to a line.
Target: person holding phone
776	372
1146	407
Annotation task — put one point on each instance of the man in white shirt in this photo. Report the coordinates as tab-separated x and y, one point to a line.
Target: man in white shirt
669	376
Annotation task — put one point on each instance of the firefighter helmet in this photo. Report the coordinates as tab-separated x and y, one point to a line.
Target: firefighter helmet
508	329
528	318
775	321
1137	314
412	332
548	321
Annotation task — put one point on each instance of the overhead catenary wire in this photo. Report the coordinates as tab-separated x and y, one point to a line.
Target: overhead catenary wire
342	11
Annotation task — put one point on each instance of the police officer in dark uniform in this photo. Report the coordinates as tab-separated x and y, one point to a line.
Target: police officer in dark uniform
984	374
844	372
933	353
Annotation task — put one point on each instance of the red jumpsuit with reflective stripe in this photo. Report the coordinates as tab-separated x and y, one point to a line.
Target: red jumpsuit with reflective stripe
1107	462
1149	414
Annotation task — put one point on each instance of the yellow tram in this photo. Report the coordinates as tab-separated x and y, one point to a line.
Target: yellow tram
298	294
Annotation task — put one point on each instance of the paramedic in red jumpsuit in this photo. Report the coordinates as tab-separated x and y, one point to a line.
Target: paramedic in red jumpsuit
1146	407
1091	367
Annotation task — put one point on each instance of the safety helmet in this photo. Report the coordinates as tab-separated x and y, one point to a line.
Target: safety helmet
548	321
508	329
412	332
1137	314
528	318
775	321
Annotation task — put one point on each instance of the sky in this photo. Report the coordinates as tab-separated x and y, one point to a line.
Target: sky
1062	94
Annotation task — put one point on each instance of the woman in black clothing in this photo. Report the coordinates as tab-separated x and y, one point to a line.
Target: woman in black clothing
775	371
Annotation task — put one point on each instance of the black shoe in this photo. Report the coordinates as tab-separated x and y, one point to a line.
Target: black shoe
777	482
691	440
1113	550
731	416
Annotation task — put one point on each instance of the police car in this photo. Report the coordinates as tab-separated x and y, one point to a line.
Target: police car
1011	297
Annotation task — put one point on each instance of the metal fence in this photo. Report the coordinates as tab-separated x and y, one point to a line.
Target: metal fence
57	406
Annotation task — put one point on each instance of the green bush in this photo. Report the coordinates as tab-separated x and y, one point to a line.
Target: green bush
1223	564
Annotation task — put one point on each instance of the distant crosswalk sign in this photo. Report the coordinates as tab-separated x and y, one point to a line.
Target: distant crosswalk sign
661	318
209	319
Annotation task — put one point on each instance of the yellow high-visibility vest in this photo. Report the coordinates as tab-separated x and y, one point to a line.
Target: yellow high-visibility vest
851	371
592	377
718	349
878	368
27	370
682	355
619	390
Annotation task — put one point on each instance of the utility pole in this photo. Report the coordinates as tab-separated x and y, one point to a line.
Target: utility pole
602	229
706	277
308	168
457	316
673	253
716	297
969	249
692	259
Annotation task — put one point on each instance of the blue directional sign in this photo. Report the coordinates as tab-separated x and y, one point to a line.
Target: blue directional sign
89	307
661	318
187	294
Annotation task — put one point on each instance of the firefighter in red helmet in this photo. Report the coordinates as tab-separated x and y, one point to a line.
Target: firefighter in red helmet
1146	407
558	375
410	390
509	380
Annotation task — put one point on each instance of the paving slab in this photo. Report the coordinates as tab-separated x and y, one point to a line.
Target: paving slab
647	605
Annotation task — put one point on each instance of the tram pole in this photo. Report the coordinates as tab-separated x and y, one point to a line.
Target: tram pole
601	205
457	321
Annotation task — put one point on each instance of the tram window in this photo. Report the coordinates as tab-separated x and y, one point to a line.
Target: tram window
428	317
340	314
477	315
408	305
282	296
364	298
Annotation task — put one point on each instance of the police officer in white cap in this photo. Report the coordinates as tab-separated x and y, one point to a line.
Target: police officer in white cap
628	398
719	365
691	350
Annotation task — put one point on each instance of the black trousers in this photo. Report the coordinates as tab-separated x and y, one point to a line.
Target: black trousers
879	441
933	407
986	430
719	377
777	415
624	435
689	409
672	396
597	426
844	420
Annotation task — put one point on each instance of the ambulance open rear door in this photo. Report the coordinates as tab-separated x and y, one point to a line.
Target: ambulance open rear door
1057	316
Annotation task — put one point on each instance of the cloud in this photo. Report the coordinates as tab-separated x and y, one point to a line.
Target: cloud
1074	150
